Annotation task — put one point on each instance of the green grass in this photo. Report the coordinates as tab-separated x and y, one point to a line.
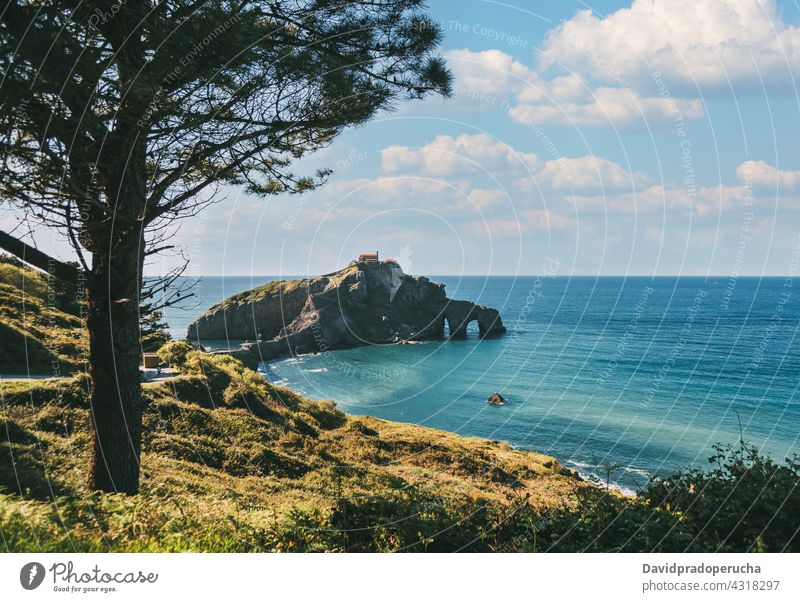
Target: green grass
258	293
36	335
270	289
232	463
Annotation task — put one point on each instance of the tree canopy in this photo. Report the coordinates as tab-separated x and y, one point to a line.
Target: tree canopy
206	91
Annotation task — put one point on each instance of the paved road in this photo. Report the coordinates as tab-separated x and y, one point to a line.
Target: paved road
151	376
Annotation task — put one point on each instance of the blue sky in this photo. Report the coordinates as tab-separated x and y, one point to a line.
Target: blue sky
646	137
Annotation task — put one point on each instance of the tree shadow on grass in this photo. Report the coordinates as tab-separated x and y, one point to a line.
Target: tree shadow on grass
22	469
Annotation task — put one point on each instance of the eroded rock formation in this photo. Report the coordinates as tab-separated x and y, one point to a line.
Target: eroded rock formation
365	303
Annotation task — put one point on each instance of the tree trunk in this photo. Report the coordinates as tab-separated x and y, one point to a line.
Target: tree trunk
114	354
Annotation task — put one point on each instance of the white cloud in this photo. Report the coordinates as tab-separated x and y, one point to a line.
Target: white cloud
605	106
764	174
447	156
693	43
582	173
494	80
649	63
395	191
483	199
490	72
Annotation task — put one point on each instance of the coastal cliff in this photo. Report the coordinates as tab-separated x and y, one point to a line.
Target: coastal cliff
364	303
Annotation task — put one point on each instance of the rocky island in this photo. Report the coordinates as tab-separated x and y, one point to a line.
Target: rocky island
367	302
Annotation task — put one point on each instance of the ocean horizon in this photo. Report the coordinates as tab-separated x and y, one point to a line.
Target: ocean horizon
620	378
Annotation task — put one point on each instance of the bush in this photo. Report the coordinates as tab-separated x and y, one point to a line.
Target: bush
747	503
174	353
323	413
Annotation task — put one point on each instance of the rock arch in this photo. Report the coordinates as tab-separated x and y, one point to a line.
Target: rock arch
459	314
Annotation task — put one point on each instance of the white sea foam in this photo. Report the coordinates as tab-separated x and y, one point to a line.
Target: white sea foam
638	471
589	472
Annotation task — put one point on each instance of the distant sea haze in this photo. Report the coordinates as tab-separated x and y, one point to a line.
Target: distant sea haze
636	375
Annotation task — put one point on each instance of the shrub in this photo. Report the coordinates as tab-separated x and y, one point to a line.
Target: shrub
358	426
323	413
174	353
747	503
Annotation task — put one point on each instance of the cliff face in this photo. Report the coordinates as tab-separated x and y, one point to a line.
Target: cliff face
265	309
365	303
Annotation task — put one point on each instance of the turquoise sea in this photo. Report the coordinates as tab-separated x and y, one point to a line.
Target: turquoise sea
645	374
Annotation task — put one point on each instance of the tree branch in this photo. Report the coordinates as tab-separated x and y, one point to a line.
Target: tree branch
36	258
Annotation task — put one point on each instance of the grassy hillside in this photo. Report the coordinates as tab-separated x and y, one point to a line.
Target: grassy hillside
269	289
40	329
232	463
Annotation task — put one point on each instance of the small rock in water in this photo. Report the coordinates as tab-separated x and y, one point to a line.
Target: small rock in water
496	399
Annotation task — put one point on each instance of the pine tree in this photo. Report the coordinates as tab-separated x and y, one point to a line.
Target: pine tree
119	118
